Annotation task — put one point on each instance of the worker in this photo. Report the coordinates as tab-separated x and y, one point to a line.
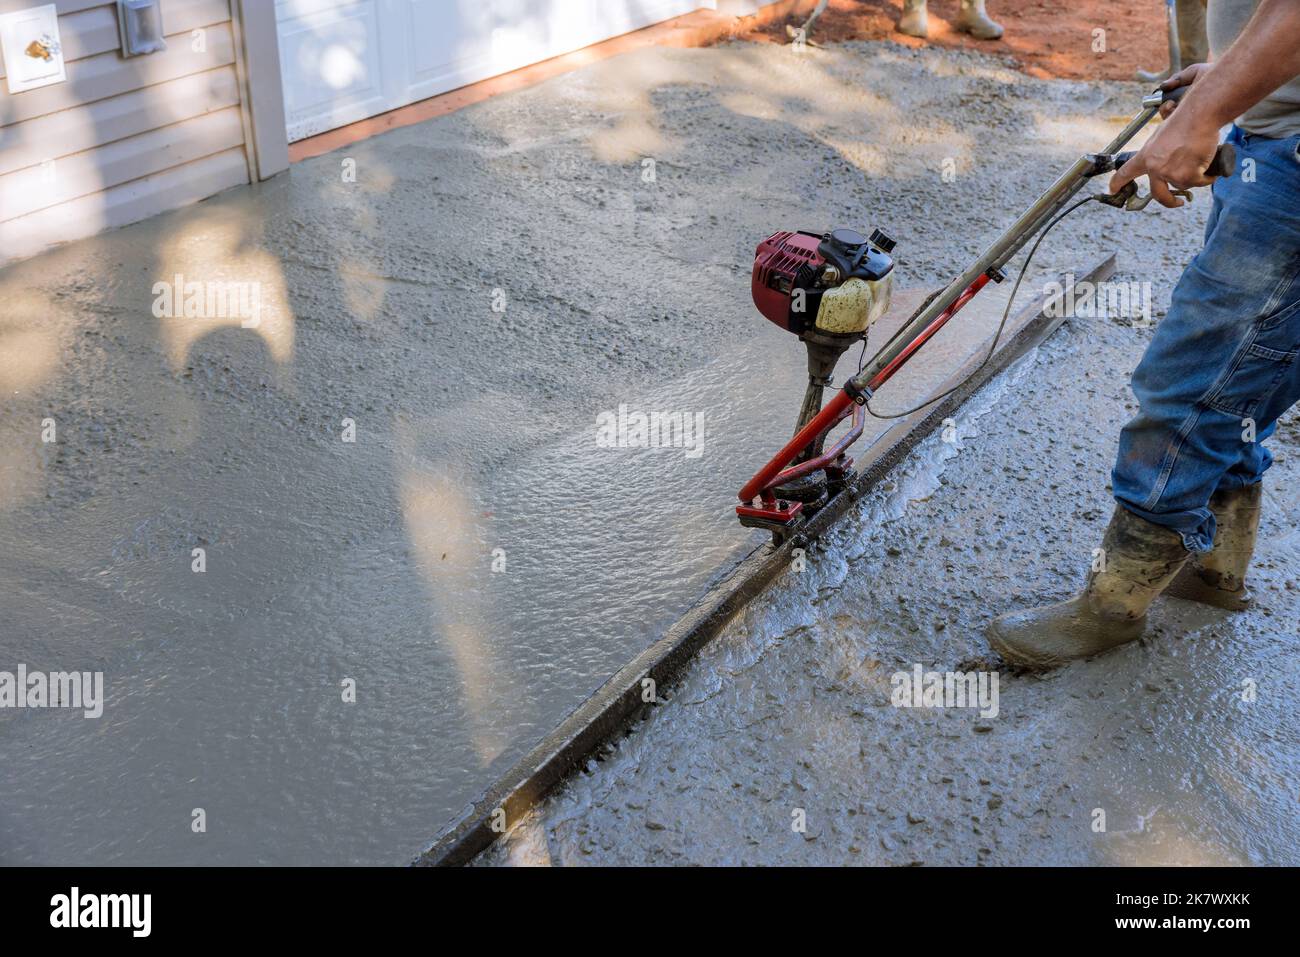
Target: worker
1193	42
1221	367
972	19
1188	43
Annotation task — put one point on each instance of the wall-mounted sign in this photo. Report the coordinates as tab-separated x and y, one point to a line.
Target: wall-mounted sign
29	40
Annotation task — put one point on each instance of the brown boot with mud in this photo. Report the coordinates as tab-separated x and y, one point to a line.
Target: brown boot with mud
1218	577
1137	561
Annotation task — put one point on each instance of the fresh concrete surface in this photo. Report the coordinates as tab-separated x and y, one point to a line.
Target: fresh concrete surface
1175	751
882	444
789	711
372	561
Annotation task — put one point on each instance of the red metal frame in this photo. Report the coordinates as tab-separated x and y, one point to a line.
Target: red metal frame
775	472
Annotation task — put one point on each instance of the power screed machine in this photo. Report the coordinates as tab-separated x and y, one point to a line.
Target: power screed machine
828	289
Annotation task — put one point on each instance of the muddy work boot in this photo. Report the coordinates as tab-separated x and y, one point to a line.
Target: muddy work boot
974	20
913	21
1218	577
1138	559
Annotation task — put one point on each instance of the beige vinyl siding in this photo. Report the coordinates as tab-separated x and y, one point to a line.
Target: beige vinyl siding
128	203
123	138
79	128
40	187
94	30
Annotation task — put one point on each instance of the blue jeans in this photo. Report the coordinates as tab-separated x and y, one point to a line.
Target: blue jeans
1221	367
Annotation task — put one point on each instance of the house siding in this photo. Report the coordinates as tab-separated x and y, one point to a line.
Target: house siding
123	138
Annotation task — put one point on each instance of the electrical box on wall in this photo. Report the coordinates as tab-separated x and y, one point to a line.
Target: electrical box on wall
33	55
140	26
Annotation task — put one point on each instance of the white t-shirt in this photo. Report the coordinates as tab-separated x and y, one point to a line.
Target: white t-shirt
1278	114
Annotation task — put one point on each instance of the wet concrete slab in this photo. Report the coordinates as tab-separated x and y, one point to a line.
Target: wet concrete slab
473	562
784	744
602	717
312	578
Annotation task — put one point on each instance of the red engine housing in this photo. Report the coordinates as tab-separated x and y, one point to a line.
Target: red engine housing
778	262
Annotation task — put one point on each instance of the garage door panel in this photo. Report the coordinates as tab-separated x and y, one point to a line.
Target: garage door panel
445	35
455	42
467	40
347	59
330	52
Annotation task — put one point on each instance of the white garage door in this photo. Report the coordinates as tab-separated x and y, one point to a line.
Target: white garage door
344	60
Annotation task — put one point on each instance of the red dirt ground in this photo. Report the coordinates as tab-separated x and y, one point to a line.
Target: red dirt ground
1047	38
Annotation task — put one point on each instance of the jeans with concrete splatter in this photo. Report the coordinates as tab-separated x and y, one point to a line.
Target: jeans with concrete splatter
1221	367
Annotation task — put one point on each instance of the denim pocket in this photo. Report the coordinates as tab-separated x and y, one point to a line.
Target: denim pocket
1285	315
1259	365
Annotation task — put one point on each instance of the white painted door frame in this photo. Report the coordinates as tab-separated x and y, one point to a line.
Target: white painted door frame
261	88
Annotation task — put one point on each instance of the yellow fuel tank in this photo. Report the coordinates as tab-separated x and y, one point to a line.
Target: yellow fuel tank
854	304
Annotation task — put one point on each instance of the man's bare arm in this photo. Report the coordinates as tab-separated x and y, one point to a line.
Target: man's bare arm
1263	57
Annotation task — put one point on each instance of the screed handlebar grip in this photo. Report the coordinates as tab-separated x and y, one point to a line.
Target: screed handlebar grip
1176	93
1225	157
1224	162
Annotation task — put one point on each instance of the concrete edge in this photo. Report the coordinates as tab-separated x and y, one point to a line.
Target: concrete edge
618	702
